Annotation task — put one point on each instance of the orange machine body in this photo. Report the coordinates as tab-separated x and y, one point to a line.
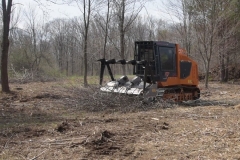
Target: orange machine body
162	69
191	80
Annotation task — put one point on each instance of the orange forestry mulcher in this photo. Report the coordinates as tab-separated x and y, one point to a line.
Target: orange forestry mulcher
162	69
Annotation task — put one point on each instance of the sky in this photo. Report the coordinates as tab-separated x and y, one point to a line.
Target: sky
154	8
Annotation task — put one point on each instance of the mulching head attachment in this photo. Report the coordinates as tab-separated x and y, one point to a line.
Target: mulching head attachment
136	86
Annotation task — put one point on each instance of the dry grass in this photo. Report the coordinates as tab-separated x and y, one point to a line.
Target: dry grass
62	120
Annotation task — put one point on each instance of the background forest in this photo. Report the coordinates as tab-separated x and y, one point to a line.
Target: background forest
209	30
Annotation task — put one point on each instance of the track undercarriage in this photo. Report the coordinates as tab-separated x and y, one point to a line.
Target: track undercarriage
178	94
151	91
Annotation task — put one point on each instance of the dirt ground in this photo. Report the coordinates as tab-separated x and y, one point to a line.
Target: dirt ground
62	120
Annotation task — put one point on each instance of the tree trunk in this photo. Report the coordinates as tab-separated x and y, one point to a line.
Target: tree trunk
86	17
122	35
222	67
106	30
222	57
226	68
207	74
67	65
72	69
82	67
92	69
122	52
85	62
5	44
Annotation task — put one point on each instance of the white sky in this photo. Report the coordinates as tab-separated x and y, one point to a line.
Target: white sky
154	8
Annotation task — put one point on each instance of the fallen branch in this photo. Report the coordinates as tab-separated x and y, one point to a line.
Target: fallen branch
38	155
5	146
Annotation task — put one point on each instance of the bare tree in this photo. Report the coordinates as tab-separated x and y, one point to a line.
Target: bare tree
87	7
227	28
6	9
86	18
59	31
205	25
104	24
31	20
183	11
126	12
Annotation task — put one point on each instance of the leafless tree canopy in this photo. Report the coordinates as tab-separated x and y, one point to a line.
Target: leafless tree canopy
207	29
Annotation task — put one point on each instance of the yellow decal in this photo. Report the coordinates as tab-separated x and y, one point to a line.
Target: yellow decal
154	90
190	81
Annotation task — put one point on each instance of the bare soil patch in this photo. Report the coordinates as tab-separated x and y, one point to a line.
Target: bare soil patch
61	120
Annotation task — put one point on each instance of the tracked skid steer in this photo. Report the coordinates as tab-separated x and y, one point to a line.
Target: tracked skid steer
162	70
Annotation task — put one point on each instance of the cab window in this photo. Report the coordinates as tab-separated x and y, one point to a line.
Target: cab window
166	59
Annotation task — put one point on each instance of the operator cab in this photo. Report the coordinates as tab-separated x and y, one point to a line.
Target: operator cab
159	58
